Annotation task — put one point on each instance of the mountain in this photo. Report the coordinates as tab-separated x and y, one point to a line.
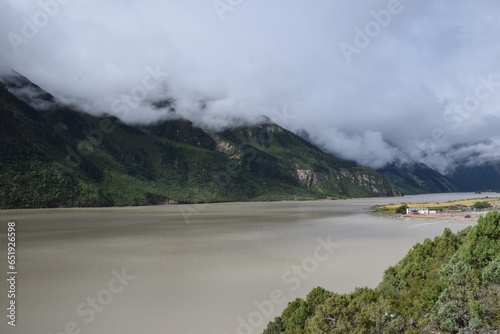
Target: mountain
52	155
407	176
476	165
485	176
412	177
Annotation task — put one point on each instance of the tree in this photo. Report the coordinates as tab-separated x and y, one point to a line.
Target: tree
483	242
452	311
346	314
295	315
447	285
275	327
481	205
489	297
402	208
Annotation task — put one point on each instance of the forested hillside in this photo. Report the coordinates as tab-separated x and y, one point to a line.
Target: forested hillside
54	156
447	285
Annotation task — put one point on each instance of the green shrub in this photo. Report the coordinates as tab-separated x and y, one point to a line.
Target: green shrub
402	209
447	285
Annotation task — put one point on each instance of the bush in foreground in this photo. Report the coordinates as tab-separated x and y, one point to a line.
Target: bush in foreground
447	285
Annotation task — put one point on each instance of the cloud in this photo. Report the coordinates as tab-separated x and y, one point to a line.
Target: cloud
368	149
410	68
466	154
32	95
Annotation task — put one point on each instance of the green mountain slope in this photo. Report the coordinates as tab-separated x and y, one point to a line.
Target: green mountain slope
54	156
416	178
447	285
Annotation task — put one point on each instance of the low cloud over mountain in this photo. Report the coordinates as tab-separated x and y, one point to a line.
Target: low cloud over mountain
424	76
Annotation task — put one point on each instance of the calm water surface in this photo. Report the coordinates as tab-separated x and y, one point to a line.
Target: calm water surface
219	268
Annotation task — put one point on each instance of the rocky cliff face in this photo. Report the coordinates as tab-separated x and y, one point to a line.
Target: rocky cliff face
343	181
309	178
275	151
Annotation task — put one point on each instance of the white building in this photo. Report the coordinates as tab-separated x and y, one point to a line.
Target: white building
417	211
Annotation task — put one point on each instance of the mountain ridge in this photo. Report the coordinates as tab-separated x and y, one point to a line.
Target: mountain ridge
55	156
408	176
412	177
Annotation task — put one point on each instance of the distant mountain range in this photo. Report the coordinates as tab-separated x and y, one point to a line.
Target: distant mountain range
483	177
414	178
54	156
410	177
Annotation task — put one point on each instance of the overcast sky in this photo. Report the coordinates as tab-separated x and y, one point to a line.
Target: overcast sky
423	75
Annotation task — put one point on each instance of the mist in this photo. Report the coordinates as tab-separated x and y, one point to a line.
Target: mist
359	77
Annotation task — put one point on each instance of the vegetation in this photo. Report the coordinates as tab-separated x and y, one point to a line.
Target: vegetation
481	205
402	209
436	206
447	285
63	158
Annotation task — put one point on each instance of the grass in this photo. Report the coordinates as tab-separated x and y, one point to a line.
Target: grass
391	208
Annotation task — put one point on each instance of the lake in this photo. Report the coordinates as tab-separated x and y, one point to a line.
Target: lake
218	268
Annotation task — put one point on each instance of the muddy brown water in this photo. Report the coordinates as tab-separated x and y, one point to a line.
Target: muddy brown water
218	268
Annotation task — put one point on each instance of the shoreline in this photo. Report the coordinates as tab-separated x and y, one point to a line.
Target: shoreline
438	217
380	208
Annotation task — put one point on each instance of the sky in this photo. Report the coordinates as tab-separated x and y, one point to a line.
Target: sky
371	81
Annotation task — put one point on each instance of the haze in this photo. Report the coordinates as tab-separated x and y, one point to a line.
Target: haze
356	76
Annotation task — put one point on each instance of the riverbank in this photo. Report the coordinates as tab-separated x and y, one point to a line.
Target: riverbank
437	217
495	202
